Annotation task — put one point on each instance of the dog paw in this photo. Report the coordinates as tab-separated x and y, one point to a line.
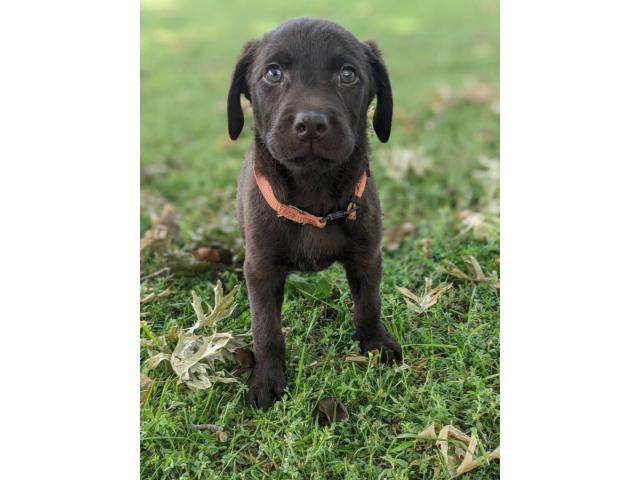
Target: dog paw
389	349
266	385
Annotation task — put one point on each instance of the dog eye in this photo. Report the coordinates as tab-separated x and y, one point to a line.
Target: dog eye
274	74
348	75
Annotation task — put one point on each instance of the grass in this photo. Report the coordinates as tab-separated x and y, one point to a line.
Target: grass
188	50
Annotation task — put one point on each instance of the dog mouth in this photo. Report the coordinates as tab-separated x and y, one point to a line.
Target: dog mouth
309	154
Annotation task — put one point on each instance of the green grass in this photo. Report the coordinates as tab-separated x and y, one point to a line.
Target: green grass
188	51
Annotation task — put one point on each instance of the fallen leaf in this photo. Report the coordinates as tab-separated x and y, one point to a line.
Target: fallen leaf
396	235
478	92
441	99
362	360
457	460
420	364
426	245
216	429
400	162
154	295
163	227
483	225
359	359
473	92
145	388
214	255
333	410
194	358
474	274
223	307
430	297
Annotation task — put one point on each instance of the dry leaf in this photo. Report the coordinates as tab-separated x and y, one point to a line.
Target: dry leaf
396	235
154	295
163	227
333	410
457	460
420	364
399	162
474	92
483	225
427	299
216	429
362	360
214	255
194	356
222	308
478	92
145	388
476	274
441	98
426	244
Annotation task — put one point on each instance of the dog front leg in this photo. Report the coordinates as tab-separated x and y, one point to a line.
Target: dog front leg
266	289
364	277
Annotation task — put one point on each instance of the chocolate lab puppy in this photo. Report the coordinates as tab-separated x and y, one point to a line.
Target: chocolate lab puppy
306	198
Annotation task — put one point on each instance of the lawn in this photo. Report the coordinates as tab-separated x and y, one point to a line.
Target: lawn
438	174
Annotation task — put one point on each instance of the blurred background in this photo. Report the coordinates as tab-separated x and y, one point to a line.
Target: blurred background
443	59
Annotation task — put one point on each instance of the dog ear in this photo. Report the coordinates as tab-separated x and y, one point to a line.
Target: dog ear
382	88
235	117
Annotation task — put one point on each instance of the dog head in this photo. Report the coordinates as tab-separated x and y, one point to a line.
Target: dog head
310	83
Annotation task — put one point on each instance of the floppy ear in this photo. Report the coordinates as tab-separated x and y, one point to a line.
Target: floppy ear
235	117
382	85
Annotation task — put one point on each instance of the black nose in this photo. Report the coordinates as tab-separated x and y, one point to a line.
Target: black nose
310	125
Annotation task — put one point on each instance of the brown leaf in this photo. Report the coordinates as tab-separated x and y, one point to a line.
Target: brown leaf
420	364
214	255
215	429
396	235
333	410
145	388
359	359
362	360
246	360
163	227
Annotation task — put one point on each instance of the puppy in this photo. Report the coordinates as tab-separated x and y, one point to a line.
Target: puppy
306	198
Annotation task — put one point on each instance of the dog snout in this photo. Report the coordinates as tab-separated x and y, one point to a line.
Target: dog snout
310	125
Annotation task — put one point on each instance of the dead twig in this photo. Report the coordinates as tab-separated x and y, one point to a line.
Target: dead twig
159	273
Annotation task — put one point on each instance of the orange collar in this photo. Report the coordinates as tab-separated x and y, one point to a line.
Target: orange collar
300	216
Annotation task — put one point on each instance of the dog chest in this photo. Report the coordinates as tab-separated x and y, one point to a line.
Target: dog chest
316	249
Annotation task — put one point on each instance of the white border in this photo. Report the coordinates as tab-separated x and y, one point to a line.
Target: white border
69	162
